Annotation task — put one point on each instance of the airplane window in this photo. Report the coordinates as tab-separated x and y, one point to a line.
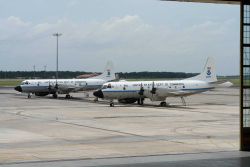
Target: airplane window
104	87
109	86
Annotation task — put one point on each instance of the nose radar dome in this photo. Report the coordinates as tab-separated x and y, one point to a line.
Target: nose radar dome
18	88
98	94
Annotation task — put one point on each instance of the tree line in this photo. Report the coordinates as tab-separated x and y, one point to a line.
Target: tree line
151	75
74	74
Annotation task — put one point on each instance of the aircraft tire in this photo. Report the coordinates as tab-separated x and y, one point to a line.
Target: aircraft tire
140	101
163	104
55	96
111	104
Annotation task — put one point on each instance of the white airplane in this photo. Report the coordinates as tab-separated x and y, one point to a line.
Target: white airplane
43	87
130	92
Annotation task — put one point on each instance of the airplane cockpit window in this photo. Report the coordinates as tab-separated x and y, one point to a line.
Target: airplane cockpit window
109	86
25	83
104	87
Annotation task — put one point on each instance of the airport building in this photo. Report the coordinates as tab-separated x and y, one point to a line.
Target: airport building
244	66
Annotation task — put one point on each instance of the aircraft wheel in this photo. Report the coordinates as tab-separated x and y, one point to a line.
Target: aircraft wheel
140	101
67	96
29	96
55	95
111	104
163	104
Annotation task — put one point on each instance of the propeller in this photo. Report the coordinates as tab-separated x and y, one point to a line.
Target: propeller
50	87
56	87
141	92
153	90
53	89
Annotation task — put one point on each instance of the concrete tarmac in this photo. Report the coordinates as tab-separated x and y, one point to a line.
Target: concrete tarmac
42	130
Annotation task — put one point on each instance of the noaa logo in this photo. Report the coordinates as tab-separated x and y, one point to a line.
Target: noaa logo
208	72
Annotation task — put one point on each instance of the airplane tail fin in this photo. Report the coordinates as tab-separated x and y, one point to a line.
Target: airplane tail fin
209	72
108	74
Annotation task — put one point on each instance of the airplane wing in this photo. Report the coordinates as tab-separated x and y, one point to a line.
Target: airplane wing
65	89
172	92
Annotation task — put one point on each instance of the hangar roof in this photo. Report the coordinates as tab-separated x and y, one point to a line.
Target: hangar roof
210	1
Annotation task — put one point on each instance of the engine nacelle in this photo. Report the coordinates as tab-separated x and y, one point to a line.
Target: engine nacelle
41	93
127	100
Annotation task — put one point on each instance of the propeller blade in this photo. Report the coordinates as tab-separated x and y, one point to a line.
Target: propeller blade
141	92
153	91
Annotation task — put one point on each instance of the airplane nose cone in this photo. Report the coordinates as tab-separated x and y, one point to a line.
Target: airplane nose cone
18	88
98	94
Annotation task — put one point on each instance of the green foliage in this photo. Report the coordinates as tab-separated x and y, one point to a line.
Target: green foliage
39	74
153	75
9	82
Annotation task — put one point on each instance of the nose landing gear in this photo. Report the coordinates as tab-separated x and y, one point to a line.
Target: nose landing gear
140	101
163	104
67	96
55	95
111	104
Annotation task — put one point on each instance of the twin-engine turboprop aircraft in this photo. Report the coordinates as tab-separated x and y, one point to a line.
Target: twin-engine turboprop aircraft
130	92
43	87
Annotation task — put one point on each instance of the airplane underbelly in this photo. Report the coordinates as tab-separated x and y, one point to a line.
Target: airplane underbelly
120	94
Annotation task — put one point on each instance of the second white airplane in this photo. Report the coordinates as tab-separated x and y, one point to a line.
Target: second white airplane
43	87
130	92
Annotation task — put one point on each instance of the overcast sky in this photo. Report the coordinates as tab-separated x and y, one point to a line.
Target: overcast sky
137	35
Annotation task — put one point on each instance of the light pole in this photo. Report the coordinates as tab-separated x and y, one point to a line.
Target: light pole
34	71
45	66
57	36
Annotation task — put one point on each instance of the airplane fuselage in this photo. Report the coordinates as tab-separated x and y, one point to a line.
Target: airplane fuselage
66	85
163	89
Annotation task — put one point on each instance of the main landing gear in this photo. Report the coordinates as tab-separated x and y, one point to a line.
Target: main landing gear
163	104
55	95
183	101
67	96
111	104
29	95
96	99
140	101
